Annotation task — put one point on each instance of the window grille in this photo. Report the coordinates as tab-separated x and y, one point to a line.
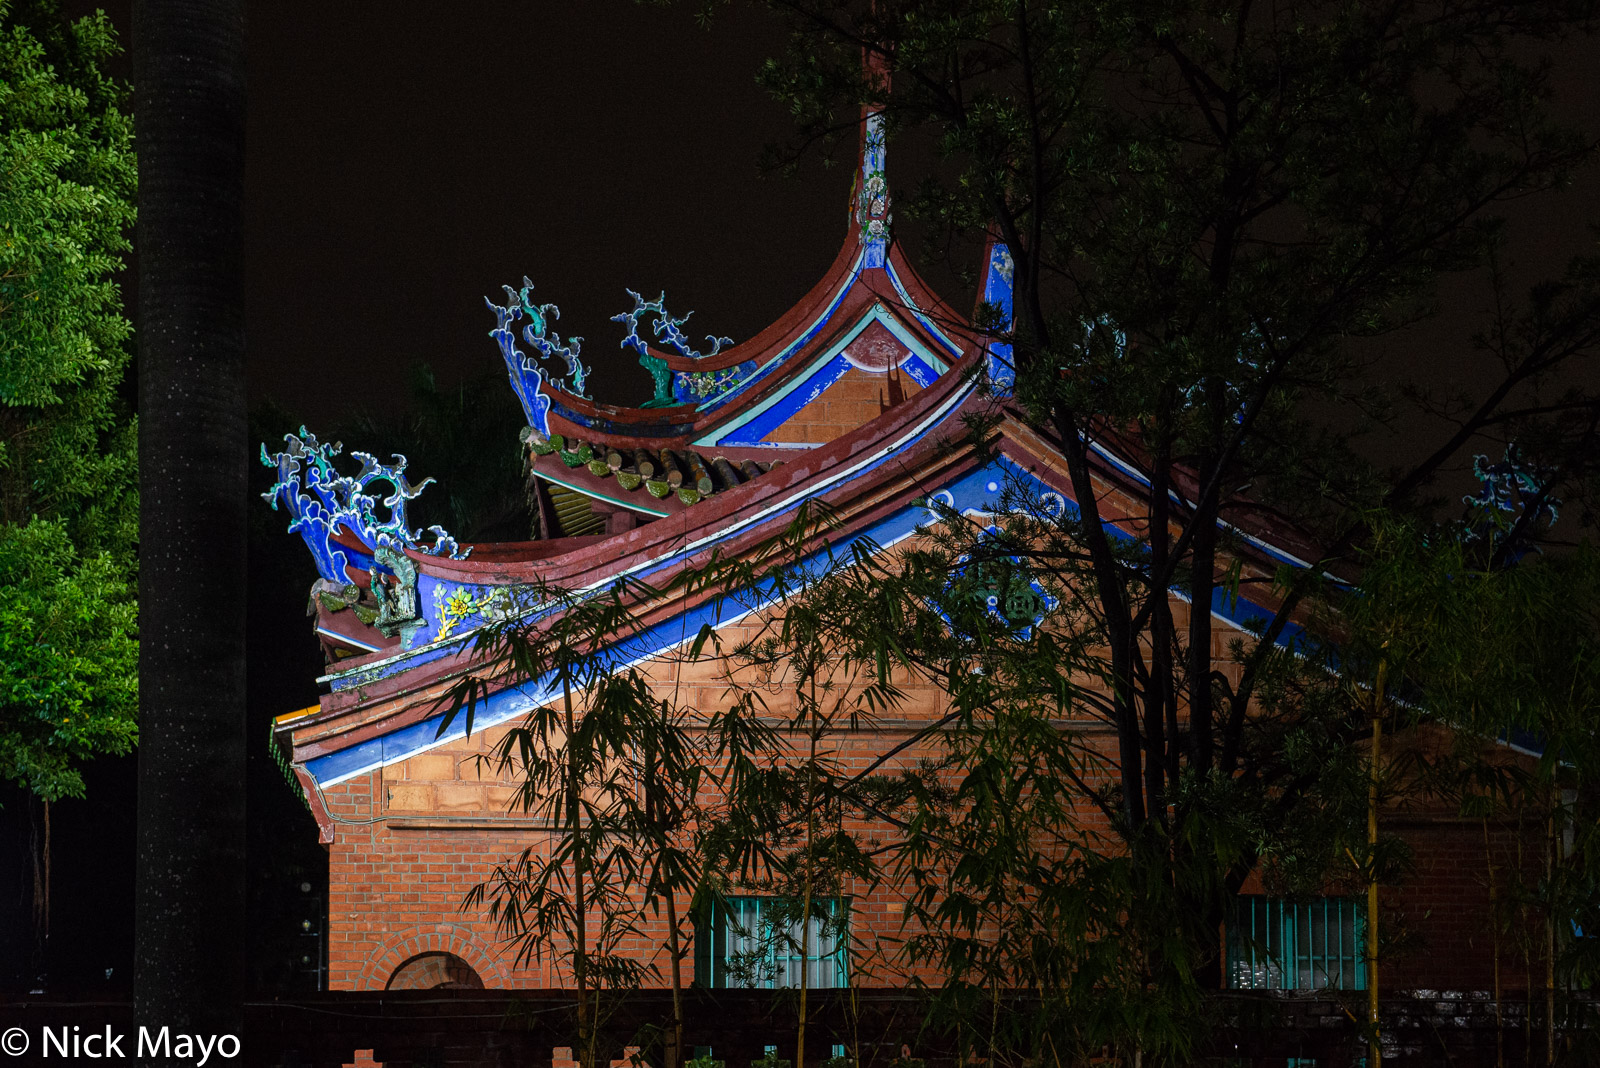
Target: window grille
1310	945
755	942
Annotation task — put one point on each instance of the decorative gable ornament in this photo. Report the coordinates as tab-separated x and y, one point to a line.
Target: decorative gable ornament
322	502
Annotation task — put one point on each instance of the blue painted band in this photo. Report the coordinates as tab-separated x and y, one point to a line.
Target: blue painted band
789	405
969	492
789	350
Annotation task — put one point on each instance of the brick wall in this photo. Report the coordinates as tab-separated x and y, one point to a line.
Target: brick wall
854	400
1446	928
412	839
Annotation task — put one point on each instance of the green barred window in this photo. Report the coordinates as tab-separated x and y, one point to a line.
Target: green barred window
1277	944
755	942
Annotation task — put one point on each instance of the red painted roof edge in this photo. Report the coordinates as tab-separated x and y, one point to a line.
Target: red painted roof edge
761	348
406	693
317	737
872	286
655	538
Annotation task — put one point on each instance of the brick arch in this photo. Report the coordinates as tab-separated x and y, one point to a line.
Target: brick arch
432	971
401	946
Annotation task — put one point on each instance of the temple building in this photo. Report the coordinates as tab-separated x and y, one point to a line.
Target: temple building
859	397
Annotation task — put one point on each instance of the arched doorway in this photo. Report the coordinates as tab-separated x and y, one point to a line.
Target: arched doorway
435	971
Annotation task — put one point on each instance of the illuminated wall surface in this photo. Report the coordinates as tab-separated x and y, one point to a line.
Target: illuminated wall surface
852	399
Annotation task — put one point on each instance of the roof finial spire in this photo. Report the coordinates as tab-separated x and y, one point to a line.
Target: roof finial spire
995	313
872	216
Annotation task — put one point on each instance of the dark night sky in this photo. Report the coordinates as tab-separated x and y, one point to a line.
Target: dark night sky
403	165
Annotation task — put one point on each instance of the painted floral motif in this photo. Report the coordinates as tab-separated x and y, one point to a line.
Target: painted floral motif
696	387
872	196
455	605
1004	265
997	298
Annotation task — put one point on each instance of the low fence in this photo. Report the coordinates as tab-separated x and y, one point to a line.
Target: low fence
874	1028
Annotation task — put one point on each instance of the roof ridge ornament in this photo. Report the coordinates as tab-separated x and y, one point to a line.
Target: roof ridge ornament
527	379
533	383
995	310
1510	489
670	389
872	216
871	209
320	500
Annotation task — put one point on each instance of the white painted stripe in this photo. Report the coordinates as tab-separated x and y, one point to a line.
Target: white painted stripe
926	423
877	313
576	487
336	636
793	346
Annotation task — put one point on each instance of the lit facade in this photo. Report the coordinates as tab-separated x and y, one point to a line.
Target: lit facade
856	397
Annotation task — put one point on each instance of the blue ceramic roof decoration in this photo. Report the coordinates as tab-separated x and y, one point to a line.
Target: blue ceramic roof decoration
666	328
527	378
321	500
1512	484
997	299
1510	489
872	196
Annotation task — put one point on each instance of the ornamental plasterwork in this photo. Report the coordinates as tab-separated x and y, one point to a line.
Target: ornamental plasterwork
528	379
687	387
872	197
320	501
1510	488
455	606
533	382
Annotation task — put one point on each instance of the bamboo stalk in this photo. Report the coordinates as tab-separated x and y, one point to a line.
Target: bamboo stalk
1494	949
1550	846
1375	1042
805	907
675	1047
580	973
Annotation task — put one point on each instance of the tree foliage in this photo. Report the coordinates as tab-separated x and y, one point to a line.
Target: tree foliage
614	770
1502	661
1210	208
465	438
68	505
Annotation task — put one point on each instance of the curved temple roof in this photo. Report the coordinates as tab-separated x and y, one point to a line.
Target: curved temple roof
795	385
730	424
853	397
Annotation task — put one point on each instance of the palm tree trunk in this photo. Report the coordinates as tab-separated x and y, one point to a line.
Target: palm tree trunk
39	847
188	64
